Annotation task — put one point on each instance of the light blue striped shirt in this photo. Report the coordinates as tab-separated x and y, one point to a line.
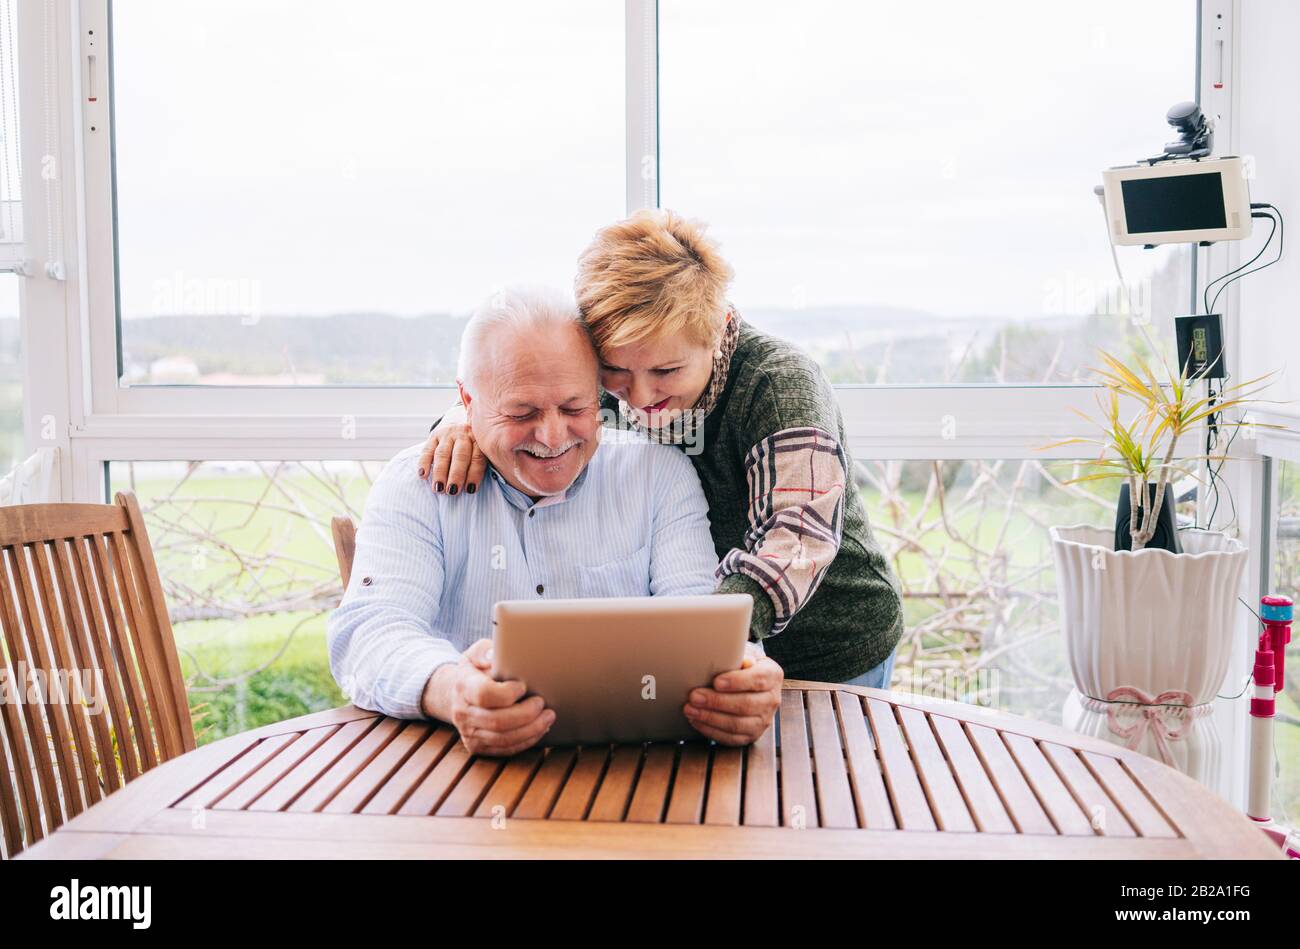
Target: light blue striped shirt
428	567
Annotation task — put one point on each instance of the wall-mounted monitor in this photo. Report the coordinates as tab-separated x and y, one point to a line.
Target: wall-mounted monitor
1175	202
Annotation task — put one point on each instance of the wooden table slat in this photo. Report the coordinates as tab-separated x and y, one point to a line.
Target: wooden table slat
471	788
986	806
686	805
870	796
1067	816
301	744
950	810
437	784
1021	803
1131	799
615	791
760	805
725	783
321	791
834	796
210	792
353	795
653	785
910	803
398	788
283	792
1106	817
798	794
544	790
508	789
579	791
1200	816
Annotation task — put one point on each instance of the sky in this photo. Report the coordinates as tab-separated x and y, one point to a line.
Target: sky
409	157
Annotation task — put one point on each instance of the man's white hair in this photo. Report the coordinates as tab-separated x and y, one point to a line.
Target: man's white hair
514	309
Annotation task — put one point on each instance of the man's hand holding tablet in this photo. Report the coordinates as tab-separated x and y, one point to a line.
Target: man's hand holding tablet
741	704
490	716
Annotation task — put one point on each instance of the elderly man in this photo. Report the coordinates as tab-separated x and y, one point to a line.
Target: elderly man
560	516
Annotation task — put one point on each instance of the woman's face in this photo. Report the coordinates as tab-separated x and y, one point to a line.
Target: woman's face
658	377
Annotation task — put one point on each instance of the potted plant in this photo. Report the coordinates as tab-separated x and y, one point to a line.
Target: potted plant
1148	613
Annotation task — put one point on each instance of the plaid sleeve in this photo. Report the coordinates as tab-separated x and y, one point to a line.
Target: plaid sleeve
796	517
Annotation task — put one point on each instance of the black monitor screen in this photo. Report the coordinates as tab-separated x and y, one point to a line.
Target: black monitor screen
1176	203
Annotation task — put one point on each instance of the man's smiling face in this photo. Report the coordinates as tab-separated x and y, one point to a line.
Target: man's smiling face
534	407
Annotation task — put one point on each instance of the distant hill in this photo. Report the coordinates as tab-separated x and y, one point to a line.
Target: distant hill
862	344
370	348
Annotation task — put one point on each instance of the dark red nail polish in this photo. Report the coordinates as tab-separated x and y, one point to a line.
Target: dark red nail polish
471	489
438	487
453	489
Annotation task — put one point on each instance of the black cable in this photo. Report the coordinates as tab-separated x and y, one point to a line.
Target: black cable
1212	429
1214	471
1215	301
1236	274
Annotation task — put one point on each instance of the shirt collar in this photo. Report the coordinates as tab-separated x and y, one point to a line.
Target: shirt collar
521	501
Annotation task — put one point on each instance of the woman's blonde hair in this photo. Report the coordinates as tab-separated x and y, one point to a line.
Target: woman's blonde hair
653	274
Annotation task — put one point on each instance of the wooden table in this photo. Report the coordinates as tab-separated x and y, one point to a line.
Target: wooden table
858	773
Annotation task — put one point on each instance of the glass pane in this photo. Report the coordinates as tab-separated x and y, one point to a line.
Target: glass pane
317	193
905	190
247	564
1286	581
11	376
969	541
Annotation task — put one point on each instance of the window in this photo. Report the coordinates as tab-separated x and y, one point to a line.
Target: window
319	199
317	194
906	189
1286	581
11	376
248	568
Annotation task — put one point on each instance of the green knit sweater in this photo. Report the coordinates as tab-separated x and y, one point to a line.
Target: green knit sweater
841	619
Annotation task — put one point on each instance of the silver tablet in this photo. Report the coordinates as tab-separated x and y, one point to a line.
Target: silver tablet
619	669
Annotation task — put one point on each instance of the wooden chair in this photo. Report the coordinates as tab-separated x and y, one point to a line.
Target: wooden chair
345	545
82	611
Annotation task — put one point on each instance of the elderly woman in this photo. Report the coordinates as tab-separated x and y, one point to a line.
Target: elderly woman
763	429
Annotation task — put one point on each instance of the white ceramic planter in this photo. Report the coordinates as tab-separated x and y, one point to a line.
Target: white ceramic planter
1195	748
1147	619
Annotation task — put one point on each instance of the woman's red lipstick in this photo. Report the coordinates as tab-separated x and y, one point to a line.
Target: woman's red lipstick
657	407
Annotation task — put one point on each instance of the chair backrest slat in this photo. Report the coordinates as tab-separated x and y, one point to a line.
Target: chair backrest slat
20	800
134	732
85	620
81	637
150	592
136	642
11	826
121	749
345	546
57	622
26	743
56	712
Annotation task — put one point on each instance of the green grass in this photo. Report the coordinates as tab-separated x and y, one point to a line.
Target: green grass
296	679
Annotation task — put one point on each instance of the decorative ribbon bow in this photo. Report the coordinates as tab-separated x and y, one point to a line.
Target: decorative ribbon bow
1152	717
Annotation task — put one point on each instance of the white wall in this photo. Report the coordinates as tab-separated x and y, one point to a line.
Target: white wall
1268	123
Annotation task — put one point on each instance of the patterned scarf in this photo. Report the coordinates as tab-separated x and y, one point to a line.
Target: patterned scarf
685	428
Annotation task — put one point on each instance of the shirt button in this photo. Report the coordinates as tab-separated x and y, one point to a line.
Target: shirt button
531	512
366	581
540	589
